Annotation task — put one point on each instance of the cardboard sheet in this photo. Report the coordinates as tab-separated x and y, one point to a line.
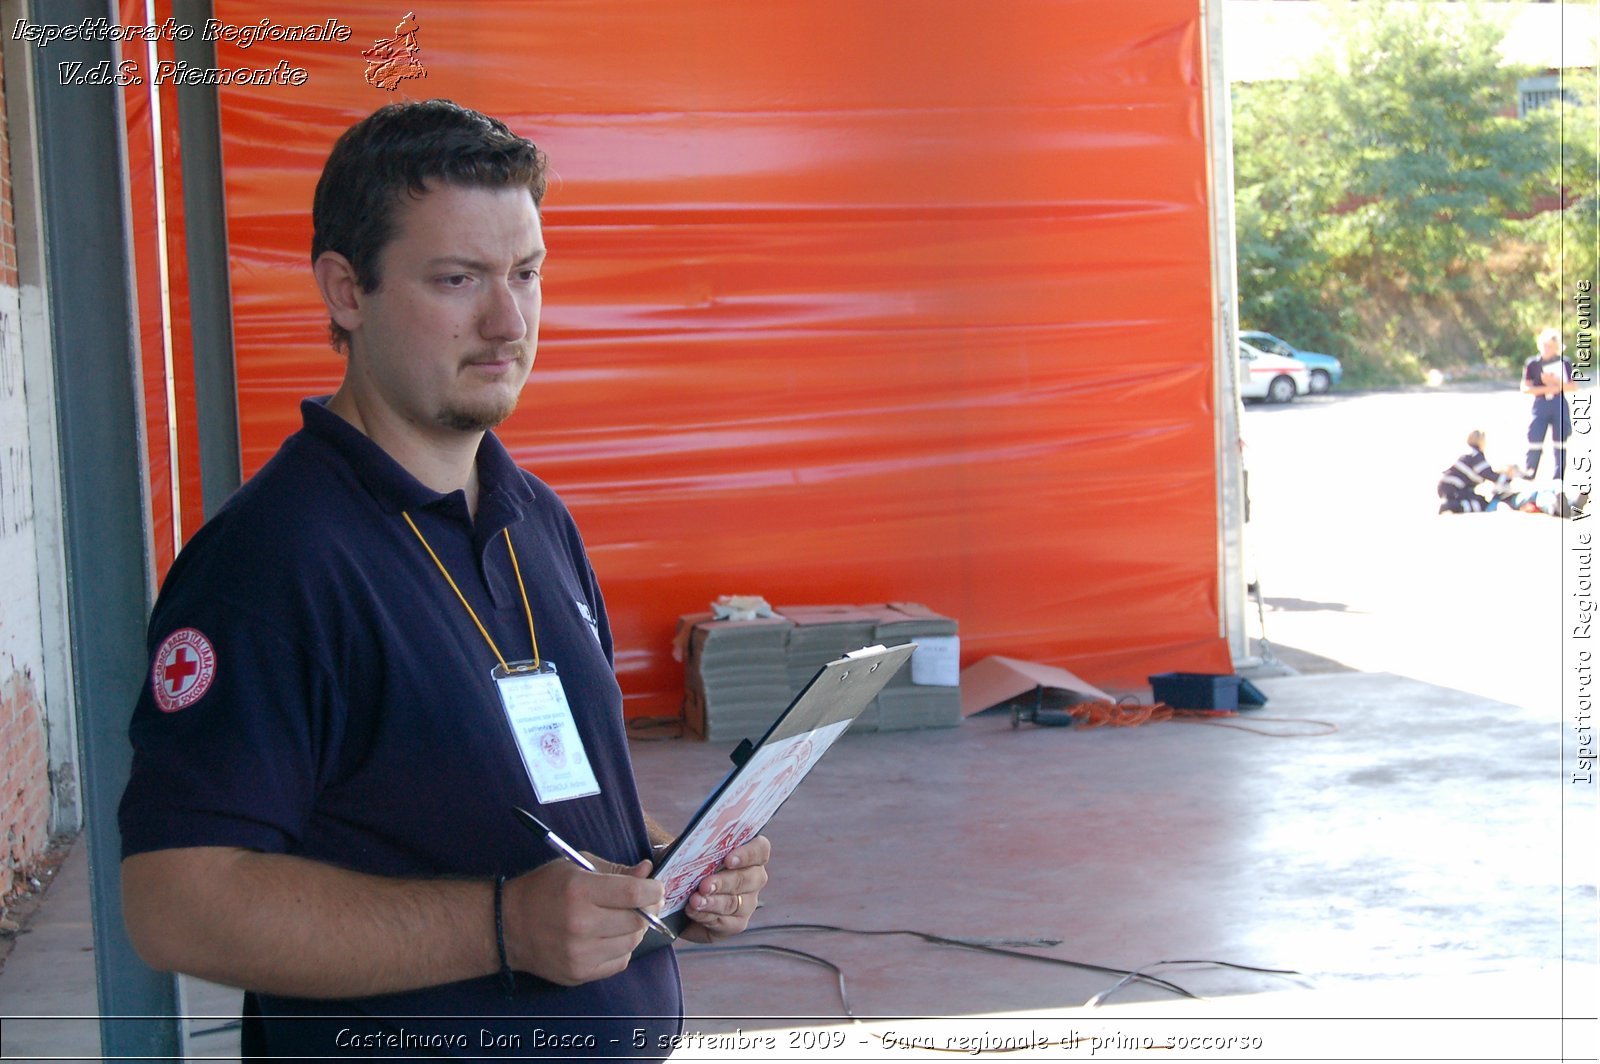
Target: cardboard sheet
999	679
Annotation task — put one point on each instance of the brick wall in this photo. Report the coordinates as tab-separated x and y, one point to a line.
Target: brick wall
24	757
24	780
8	222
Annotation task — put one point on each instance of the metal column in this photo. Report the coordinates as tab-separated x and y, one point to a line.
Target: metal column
84	211
210	299
1232	504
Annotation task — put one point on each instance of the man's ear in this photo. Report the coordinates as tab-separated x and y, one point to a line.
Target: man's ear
341	291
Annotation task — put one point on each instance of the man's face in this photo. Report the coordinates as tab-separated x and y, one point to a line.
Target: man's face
448	337
1549	346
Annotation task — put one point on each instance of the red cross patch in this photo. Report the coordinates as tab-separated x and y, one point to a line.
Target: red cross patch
185	666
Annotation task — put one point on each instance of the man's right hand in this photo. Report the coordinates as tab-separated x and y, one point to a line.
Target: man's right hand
570	926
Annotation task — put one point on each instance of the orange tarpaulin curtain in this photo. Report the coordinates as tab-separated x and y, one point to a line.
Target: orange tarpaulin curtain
845	302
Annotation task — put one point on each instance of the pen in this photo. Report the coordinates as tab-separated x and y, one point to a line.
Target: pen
583	862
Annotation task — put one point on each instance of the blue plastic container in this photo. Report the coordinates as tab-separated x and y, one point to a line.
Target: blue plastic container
1196	690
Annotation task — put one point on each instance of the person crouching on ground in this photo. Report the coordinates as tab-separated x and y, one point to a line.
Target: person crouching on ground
1459	484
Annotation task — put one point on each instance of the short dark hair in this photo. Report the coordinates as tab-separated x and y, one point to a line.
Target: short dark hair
397	150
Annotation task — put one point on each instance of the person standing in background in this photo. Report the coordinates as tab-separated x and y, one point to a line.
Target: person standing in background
1548	377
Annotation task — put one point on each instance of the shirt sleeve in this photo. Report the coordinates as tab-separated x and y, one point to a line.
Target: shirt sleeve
232	733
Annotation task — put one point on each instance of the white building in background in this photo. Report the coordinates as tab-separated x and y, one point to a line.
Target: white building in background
1268	40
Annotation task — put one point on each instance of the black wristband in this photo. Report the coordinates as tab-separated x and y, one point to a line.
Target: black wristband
506	975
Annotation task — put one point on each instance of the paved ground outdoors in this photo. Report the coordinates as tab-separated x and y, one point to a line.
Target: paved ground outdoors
1356	566
1425	873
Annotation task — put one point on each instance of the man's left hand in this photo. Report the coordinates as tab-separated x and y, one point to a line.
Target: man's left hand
725	900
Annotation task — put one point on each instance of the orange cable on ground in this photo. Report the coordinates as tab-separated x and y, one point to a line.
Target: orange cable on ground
1133	715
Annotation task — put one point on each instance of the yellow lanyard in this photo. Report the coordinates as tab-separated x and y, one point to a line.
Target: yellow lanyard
472	613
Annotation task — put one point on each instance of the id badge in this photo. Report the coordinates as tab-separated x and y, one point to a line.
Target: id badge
547	736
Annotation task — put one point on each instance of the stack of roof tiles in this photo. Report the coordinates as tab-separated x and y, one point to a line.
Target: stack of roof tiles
740	675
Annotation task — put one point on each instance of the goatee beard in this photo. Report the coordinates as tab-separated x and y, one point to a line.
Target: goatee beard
476	420
482	418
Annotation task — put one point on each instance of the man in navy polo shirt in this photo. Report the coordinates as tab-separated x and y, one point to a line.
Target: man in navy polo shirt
385	640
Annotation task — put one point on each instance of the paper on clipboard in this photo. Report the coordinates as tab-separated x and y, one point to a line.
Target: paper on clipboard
766	780
742	804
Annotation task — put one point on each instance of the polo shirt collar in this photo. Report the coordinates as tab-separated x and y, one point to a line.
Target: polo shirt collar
503	491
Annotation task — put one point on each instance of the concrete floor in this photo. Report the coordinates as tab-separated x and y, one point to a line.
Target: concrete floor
1418	841
1413	859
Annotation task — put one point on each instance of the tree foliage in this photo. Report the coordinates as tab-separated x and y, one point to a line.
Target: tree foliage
1385	191
1578	240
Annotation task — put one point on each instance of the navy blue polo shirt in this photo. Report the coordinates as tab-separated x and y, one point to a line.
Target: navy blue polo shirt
1533	373
317	688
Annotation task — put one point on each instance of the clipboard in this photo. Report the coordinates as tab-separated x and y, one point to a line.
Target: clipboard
767	772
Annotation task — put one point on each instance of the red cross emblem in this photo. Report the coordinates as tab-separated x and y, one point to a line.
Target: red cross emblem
184	668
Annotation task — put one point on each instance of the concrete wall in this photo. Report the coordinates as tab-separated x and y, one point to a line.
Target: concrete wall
24	756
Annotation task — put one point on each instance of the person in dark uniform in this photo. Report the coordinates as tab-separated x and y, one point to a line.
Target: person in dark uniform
385	640
1459	484
1548	377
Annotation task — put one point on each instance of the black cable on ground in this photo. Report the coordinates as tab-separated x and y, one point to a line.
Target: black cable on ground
1099	998
941	940
761	947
